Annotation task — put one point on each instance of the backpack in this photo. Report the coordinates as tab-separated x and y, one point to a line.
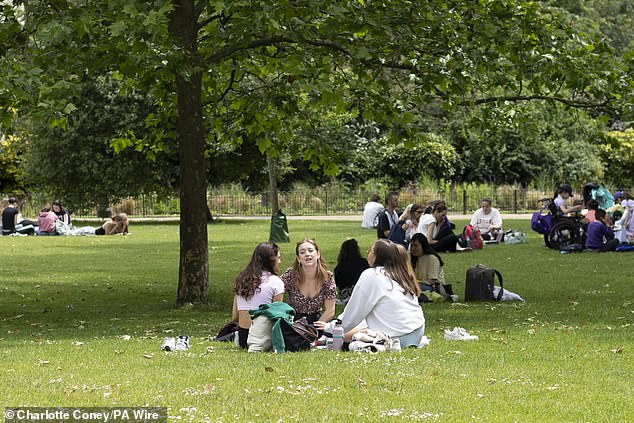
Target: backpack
472	236
480	284
542	223
397	234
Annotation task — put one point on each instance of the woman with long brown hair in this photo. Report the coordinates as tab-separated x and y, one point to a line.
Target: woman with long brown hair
310	285
257	284
386	296
436	227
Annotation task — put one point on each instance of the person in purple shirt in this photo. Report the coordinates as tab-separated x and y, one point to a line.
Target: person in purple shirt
600	235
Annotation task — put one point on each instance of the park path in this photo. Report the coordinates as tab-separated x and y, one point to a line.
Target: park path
347	218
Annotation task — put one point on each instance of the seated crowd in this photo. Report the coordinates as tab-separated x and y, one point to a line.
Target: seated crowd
55	220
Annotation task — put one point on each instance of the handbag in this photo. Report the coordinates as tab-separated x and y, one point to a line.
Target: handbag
298	335
480	284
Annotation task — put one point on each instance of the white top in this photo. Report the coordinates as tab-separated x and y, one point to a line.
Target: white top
424	222
270	287
371	210
559	201
485	221
383	304
626	223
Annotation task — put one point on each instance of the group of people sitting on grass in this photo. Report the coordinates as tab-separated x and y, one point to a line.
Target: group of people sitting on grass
381	293
54	219
431	221
605	229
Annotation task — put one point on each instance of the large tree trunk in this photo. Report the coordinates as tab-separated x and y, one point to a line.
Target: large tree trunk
194	258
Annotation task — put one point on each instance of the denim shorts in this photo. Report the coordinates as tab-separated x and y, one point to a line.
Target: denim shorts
413	338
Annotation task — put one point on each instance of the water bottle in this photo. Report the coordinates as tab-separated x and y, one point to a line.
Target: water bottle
337	336
469	242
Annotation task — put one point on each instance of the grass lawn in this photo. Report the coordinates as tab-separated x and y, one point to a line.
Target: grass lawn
82	320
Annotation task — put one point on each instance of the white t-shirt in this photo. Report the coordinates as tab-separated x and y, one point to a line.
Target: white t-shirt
270	287
485	221
371	210
425	221
559	201
383	304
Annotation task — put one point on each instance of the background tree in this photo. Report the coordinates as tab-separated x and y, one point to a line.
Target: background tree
617	154
77	164
529	141
12	179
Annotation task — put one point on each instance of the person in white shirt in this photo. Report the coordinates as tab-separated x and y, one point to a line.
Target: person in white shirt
488	220
371	211
257	284
386	296
564	192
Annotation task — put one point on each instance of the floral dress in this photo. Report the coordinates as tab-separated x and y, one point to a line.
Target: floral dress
302	304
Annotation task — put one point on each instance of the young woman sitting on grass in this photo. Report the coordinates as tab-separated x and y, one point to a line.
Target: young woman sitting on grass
350	265
257	284
436	227
386	297
427	265
310	286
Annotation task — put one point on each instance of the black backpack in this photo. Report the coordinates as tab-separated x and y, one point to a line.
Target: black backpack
480	283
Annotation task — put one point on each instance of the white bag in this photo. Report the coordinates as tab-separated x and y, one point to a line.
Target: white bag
62	228
259	339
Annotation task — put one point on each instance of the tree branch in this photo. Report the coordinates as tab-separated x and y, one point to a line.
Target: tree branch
570	103
231	81
200	6
208	21
230	51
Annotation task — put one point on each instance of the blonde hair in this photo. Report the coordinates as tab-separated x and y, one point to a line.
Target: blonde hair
118	224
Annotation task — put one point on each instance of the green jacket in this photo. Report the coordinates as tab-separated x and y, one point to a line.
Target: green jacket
275	312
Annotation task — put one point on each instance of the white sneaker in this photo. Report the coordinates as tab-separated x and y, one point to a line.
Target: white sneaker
168	344
182	343
459	334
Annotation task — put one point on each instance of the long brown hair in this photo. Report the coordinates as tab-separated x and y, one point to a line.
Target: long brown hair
264	258
393	258
298	273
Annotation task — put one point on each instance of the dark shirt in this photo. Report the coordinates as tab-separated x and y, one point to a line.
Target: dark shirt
347	272
62	215
386	221
8	219
597	231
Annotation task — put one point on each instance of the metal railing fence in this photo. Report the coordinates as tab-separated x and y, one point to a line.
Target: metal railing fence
310	203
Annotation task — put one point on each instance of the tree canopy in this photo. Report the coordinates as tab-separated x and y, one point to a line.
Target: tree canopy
261	71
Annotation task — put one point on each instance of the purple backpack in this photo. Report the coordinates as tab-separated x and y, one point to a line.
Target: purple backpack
542	223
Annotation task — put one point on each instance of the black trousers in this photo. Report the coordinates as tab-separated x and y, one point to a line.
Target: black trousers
243	334
446	241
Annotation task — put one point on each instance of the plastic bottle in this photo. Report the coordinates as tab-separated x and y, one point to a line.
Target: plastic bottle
469	242
337	336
